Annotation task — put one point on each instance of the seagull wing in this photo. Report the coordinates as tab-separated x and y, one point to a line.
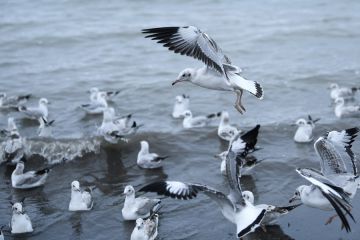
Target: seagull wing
145	205
190	41
343	142
185	191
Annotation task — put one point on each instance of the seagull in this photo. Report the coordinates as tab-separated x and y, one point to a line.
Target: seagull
218	72
13	101
198	121
30	179
110	126
135	208
145	159
20	221
97	106
304	132
273	212
234	207
45	127
36	112
14	147
182	103
225	130
345	111
336	91
247	163
146	229
108	94
80	200
338	180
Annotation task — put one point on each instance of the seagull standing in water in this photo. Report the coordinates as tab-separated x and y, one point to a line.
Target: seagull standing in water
345	111
218	73
145	159
344	92
146	229
94	91
225	130
13	101
98	106
181	105
14	146
20	221
234	207
198	121
134	207
41	111
80	200
338	180
30	179
304	132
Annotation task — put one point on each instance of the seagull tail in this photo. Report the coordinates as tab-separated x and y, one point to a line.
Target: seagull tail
252	87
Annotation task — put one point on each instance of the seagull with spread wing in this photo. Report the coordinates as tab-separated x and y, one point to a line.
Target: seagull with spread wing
338	180
218	73
234	207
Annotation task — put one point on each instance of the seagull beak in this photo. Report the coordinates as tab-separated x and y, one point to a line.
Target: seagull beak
175	82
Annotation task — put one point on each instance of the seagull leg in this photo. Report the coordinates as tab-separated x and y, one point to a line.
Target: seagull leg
238	104
333	217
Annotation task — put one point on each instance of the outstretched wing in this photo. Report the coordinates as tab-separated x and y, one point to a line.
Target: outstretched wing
190	41
343	140
246	143
185	191
337	197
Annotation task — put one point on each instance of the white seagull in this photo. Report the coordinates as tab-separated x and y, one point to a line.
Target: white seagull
134	207
225	130
80	200
218	72
234	207
198	121
182	103
342	110
45	126
146	229
145	159
30	179
98	106
304	132
14	146
12	101
344	92
338	180
273	212
20	221
108	94
41	111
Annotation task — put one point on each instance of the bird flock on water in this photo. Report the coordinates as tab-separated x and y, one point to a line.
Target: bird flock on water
331	188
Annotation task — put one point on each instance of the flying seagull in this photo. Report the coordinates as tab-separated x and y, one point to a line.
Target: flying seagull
218	73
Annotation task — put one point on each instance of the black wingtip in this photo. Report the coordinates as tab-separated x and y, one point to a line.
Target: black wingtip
248	229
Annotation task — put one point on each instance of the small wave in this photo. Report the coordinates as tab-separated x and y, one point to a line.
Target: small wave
62	150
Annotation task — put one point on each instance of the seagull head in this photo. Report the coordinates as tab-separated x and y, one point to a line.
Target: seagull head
11	124
18	208
297	194
19	167
75	186
248	196
2	95
139	223
179	99
129	190
225	117
43	101
301	122
185	75
93	90
144	145
221	156
109	113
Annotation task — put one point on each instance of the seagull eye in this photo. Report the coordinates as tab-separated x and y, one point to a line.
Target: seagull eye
184	75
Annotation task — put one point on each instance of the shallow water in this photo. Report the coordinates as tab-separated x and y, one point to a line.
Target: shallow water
58	50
